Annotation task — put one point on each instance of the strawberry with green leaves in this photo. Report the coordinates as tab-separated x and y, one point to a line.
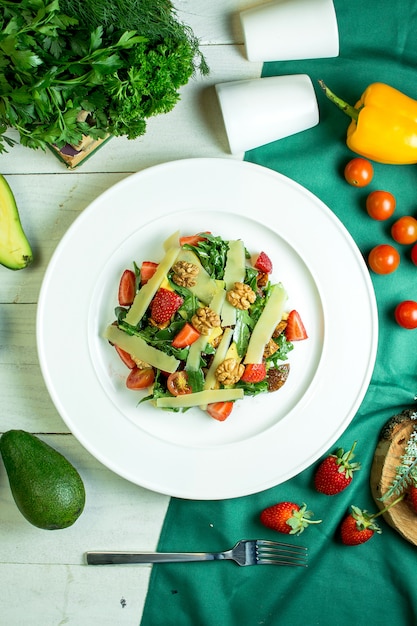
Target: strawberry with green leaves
358	527
287	517
335	473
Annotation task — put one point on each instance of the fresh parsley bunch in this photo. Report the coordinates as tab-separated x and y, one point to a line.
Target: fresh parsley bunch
122	61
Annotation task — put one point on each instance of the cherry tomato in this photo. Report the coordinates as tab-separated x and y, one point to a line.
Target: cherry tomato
380	205
414	254
140	378
404	230
177	383
359	172
383	259
406	314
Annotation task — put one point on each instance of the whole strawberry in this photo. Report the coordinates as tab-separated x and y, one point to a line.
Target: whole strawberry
335	473
412	497
358	527
287	517
164	304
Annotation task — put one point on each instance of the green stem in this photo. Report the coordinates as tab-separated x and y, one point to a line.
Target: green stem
384	510
348	109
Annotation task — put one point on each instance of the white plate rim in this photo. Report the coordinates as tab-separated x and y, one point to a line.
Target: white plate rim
209	473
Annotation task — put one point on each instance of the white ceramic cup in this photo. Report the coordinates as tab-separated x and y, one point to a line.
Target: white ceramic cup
286	30
258	111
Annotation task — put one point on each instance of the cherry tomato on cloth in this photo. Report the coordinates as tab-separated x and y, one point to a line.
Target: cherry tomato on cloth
414	254
380	205
404	230
359	172
383	259
177	383
140	378
406	314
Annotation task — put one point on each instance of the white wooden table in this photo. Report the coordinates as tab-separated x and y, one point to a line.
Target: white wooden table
43	578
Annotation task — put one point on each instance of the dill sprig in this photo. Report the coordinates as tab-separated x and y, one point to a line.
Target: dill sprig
406	472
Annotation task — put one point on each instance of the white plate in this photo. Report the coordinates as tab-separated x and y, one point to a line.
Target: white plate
268	438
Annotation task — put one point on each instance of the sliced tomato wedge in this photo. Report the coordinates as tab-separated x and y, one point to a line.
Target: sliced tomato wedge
186	336
193	240
147	270
177	383
127	288
140	378
220	410
126	358
295	330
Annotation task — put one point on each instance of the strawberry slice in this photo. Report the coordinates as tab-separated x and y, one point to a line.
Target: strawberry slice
254	373
220	410
147	270
127	288
186	336
295	330
263	263
164	305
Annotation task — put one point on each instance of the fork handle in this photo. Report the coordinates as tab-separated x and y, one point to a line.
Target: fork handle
118	558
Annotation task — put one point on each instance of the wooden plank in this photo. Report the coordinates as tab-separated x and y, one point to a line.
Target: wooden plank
48	205
50	595
117	514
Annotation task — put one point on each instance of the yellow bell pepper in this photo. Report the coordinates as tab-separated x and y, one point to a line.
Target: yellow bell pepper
383	126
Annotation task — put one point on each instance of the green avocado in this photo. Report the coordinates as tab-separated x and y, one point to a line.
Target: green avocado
47	489
15	250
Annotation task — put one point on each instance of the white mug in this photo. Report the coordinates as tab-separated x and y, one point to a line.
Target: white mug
258	111
286	30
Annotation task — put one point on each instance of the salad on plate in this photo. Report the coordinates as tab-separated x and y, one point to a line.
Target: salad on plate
204	326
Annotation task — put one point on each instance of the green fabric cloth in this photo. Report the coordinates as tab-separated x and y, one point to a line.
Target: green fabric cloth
374	582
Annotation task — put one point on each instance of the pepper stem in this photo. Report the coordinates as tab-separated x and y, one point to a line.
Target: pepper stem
348	109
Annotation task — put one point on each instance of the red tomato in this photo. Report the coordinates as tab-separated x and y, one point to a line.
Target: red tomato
126	358
414	254
186	336
359	172
404	230
177	383
406	314
127	288
380	205
140	378
193	240
220	410
383	259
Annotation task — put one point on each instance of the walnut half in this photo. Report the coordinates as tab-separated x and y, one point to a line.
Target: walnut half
185	274
205	319
229	372
241	296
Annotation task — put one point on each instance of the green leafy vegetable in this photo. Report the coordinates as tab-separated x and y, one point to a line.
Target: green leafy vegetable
122	61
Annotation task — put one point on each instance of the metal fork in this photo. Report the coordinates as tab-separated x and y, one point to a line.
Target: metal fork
245	552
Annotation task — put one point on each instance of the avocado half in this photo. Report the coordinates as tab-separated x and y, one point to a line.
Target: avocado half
15	250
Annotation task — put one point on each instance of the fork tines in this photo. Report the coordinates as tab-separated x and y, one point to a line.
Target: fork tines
278	553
